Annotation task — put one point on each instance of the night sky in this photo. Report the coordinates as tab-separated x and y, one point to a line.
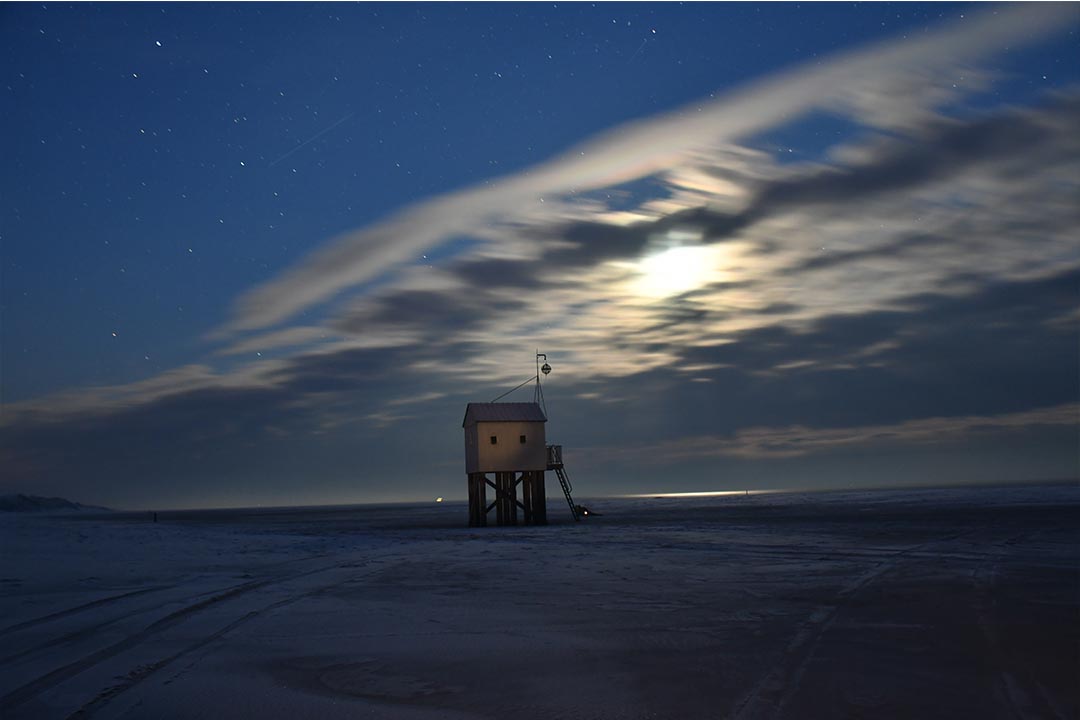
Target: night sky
265	254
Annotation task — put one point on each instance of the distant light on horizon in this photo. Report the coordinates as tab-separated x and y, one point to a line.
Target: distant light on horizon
702	493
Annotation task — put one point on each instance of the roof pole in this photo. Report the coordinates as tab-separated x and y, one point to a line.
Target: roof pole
545	369
536	391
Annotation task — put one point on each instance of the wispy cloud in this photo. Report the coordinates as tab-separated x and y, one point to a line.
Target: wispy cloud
887	83
799	441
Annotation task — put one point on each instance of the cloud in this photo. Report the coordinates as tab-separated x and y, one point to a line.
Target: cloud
310	425
447	310
871	82
800	441
945	148
893	249
943	369
287	337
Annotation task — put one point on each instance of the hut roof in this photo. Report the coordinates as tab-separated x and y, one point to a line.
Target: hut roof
502	412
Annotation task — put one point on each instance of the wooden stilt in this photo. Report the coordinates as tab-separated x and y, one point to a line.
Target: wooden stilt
506	498
500	506
539	498
527	497
511	497
477	500
472	500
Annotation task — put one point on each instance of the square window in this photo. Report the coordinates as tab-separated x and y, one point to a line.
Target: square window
522	439
494	440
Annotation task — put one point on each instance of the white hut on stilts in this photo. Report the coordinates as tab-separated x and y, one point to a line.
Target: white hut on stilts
507	441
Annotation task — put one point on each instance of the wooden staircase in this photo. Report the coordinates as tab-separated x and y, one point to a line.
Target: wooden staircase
554	462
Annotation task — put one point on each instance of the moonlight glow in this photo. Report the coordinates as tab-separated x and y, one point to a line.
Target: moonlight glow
675	270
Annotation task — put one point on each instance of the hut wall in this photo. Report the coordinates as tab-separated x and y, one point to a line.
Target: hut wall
508	453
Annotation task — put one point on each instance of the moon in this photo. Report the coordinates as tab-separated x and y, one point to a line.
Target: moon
675	270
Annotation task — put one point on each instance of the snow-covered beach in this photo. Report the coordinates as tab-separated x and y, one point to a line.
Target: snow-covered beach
918	603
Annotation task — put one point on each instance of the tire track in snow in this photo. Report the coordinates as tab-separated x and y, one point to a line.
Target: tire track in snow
32	689
772	692
1026	699
80	608
89	630
116	598
142	672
